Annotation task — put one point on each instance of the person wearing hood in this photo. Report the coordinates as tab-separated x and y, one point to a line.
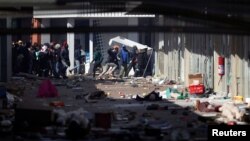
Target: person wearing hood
111	63
124	59
43	61
64	54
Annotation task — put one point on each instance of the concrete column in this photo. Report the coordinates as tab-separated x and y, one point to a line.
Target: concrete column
45	38
186	60
182	40
71	42
9	50
36	38
133	35
89	58
218	81
159	43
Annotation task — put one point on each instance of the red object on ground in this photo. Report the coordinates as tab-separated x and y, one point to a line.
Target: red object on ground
231	123
196	89
57	104
47	89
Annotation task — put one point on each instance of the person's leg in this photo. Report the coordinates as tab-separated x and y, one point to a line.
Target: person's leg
114	66
130	66
56	69
77	62
125	70
105	69
50	68
30	66
94	69
121	71
136	69
64	72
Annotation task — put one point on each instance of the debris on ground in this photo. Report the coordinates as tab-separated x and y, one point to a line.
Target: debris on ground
132	109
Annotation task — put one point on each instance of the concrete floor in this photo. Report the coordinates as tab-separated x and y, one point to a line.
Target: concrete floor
180	114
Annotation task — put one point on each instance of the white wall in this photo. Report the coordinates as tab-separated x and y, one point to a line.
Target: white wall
45	38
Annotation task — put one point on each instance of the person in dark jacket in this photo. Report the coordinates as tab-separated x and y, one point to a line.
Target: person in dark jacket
77	55
98	58
124	59
112	62
133	63
57	64
64	55
142	61
44	61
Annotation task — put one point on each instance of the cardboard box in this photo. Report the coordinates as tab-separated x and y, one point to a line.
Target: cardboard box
195	79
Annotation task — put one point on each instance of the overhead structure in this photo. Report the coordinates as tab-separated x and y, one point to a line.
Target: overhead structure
127	42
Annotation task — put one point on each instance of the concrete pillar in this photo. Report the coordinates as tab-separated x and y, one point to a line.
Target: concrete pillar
45	38
36	38
182	43
9	50
133	35
71	42
89	55
186	62
159	43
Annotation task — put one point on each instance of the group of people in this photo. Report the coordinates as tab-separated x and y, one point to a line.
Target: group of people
121	59
52	60
46	60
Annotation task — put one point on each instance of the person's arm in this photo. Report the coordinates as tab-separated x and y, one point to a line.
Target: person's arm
119	55
101	58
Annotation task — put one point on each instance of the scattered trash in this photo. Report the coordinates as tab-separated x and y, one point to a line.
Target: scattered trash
97	95
6	126
174	112
206	106
180	134
231	112
57	104
153	96
78	89
238	99
122	95
81	96
124	116
153	107
133	83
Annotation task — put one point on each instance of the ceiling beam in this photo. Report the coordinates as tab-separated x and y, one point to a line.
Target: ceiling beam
121	29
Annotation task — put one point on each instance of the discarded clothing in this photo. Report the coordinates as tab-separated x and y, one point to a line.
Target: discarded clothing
153	96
